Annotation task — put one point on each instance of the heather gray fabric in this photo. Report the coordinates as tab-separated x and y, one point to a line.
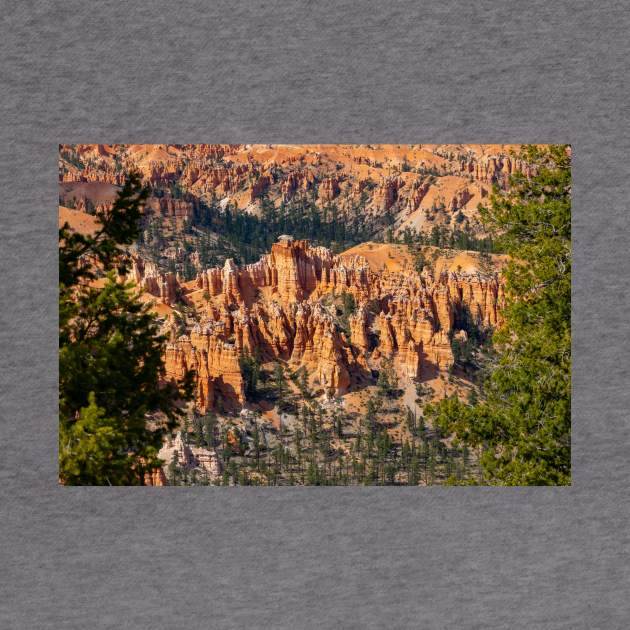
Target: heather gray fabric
313	72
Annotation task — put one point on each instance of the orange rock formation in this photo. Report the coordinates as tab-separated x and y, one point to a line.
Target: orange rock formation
283	308
397	179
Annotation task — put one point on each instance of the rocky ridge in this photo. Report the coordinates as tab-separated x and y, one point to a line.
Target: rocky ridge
396	179
285	307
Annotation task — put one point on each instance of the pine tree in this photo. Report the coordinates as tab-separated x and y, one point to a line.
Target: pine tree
250	369
111	369
256	437
281	389
523	417
209	424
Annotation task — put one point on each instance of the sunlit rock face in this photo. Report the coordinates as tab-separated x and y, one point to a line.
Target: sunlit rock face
287	307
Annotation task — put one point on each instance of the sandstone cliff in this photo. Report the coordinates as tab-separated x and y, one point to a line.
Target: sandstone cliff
285	307
399	180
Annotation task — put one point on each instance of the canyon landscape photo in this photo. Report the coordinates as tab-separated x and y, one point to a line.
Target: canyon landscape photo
280	315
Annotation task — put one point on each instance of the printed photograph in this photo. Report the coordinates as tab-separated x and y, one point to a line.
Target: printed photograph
314	315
